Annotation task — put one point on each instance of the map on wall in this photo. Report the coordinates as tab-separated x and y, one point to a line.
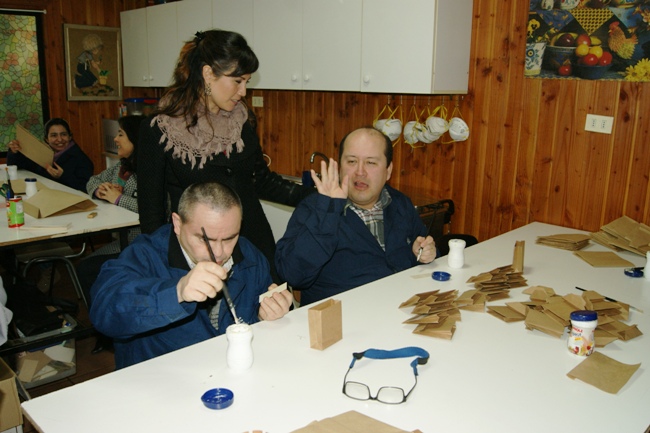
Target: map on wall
21	98
590	39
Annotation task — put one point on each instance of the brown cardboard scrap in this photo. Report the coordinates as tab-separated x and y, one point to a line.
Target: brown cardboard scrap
603	259
33	148
52	202
325	324
567	241
603	338
425	318
30	363
624	233
603	372
575	300
415	299
506	314
519	307
10	413
349	422
621	330
542	322
518	256
445	329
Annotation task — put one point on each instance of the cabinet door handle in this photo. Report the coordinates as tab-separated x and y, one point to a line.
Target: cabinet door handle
366	79
294	77
144	78
307	77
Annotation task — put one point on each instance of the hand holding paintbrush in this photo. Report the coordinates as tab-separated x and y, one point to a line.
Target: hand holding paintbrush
224	289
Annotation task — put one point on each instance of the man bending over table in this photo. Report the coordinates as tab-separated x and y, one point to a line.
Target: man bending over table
164	292
354	231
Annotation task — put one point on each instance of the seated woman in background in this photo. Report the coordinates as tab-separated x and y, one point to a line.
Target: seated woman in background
71	167
117	185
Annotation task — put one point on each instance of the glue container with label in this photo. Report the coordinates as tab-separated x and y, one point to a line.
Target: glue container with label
581	337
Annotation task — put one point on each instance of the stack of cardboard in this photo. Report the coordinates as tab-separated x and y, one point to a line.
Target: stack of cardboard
497	283
567	241
624	234
435	313
550	313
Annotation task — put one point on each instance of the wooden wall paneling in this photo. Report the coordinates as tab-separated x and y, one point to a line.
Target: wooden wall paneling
633	109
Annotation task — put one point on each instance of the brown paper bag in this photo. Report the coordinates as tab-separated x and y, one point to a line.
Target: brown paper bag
325	324
52	202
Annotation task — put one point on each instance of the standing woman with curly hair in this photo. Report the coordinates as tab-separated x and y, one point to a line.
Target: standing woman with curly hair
203	131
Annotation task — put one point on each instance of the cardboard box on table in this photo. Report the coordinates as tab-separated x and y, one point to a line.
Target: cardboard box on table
10	414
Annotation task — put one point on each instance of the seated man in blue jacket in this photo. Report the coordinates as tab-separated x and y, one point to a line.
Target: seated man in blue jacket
354	231
163	292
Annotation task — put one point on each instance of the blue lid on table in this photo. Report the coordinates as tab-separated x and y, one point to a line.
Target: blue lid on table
584	315
218	398
441	276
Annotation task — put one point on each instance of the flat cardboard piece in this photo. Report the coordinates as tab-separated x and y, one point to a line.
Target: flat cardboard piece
603	372
10	414
349	422
33	148
603	259
52	202
542	322
518	256
270	293
566	241
18	186
506	314
325	324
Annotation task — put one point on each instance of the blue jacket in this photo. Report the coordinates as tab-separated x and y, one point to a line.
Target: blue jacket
328	249
77	167
134	299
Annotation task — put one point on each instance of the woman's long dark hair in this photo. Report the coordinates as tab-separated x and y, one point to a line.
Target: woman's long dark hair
131	126
227	53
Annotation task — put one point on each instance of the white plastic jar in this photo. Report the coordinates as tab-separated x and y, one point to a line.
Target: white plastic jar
456	256
581	337
240	349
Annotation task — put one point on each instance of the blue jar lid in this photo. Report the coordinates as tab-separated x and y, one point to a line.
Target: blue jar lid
441	276
218	398
584	315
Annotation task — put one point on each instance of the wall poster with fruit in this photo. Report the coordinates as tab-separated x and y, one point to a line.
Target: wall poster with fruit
591	39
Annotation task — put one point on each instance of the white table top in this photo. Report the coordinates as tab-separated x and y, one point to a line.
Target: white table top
109	217
491	377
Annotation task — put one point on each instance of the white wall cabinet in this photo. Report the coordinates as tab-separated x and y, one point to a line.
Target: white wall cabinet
416	46
149	45
307	44
385	46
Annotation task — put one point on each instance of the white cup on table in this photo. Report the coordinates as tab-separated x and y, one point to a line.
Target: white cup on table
12	172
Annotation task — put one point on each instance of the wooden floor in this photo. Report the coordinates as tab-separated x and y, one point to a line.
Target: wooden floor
88	365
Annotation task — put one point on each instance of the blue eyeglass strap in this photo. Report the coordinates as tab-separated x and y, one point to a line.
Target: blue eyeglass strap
404	352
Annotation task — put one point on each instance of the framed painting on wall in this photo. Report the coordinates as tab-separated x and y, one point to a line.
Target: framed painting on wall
93	63
589	39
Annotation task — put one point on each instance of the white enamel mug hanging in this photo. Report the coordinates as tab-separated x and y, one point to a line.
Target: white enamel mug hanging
390	126
458	129
437	121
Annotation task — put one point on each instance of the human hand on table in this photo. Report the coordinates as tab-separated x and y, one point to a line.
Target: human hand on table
328	184
54	170
109	192
201	283
275	306
428	246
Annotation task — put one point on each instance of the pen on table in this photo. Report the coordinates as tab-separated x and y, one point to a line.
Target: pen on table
607	298
224	289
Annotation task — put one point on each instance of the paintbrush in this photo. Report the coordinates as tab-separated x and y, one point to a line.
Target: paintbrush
607	298
433	218
224	289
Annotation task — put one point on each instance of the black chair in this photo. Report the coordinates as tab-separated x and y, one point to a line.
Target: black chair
437	217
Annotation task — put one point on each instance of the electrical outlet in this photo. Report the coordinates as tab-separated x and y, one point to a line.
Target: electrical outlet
601	124
258	101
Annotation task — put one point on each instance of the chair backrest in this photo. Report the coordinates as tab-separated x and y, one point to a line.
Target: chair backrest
437	217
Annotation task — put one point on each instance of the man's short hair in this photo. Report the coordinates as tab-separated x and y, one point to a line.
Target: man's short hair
217	196
388	149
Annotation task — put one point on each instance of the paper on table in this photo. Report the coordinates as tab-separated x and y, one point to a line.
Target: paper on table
33	148
603	259
603	372
349	422
270	293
